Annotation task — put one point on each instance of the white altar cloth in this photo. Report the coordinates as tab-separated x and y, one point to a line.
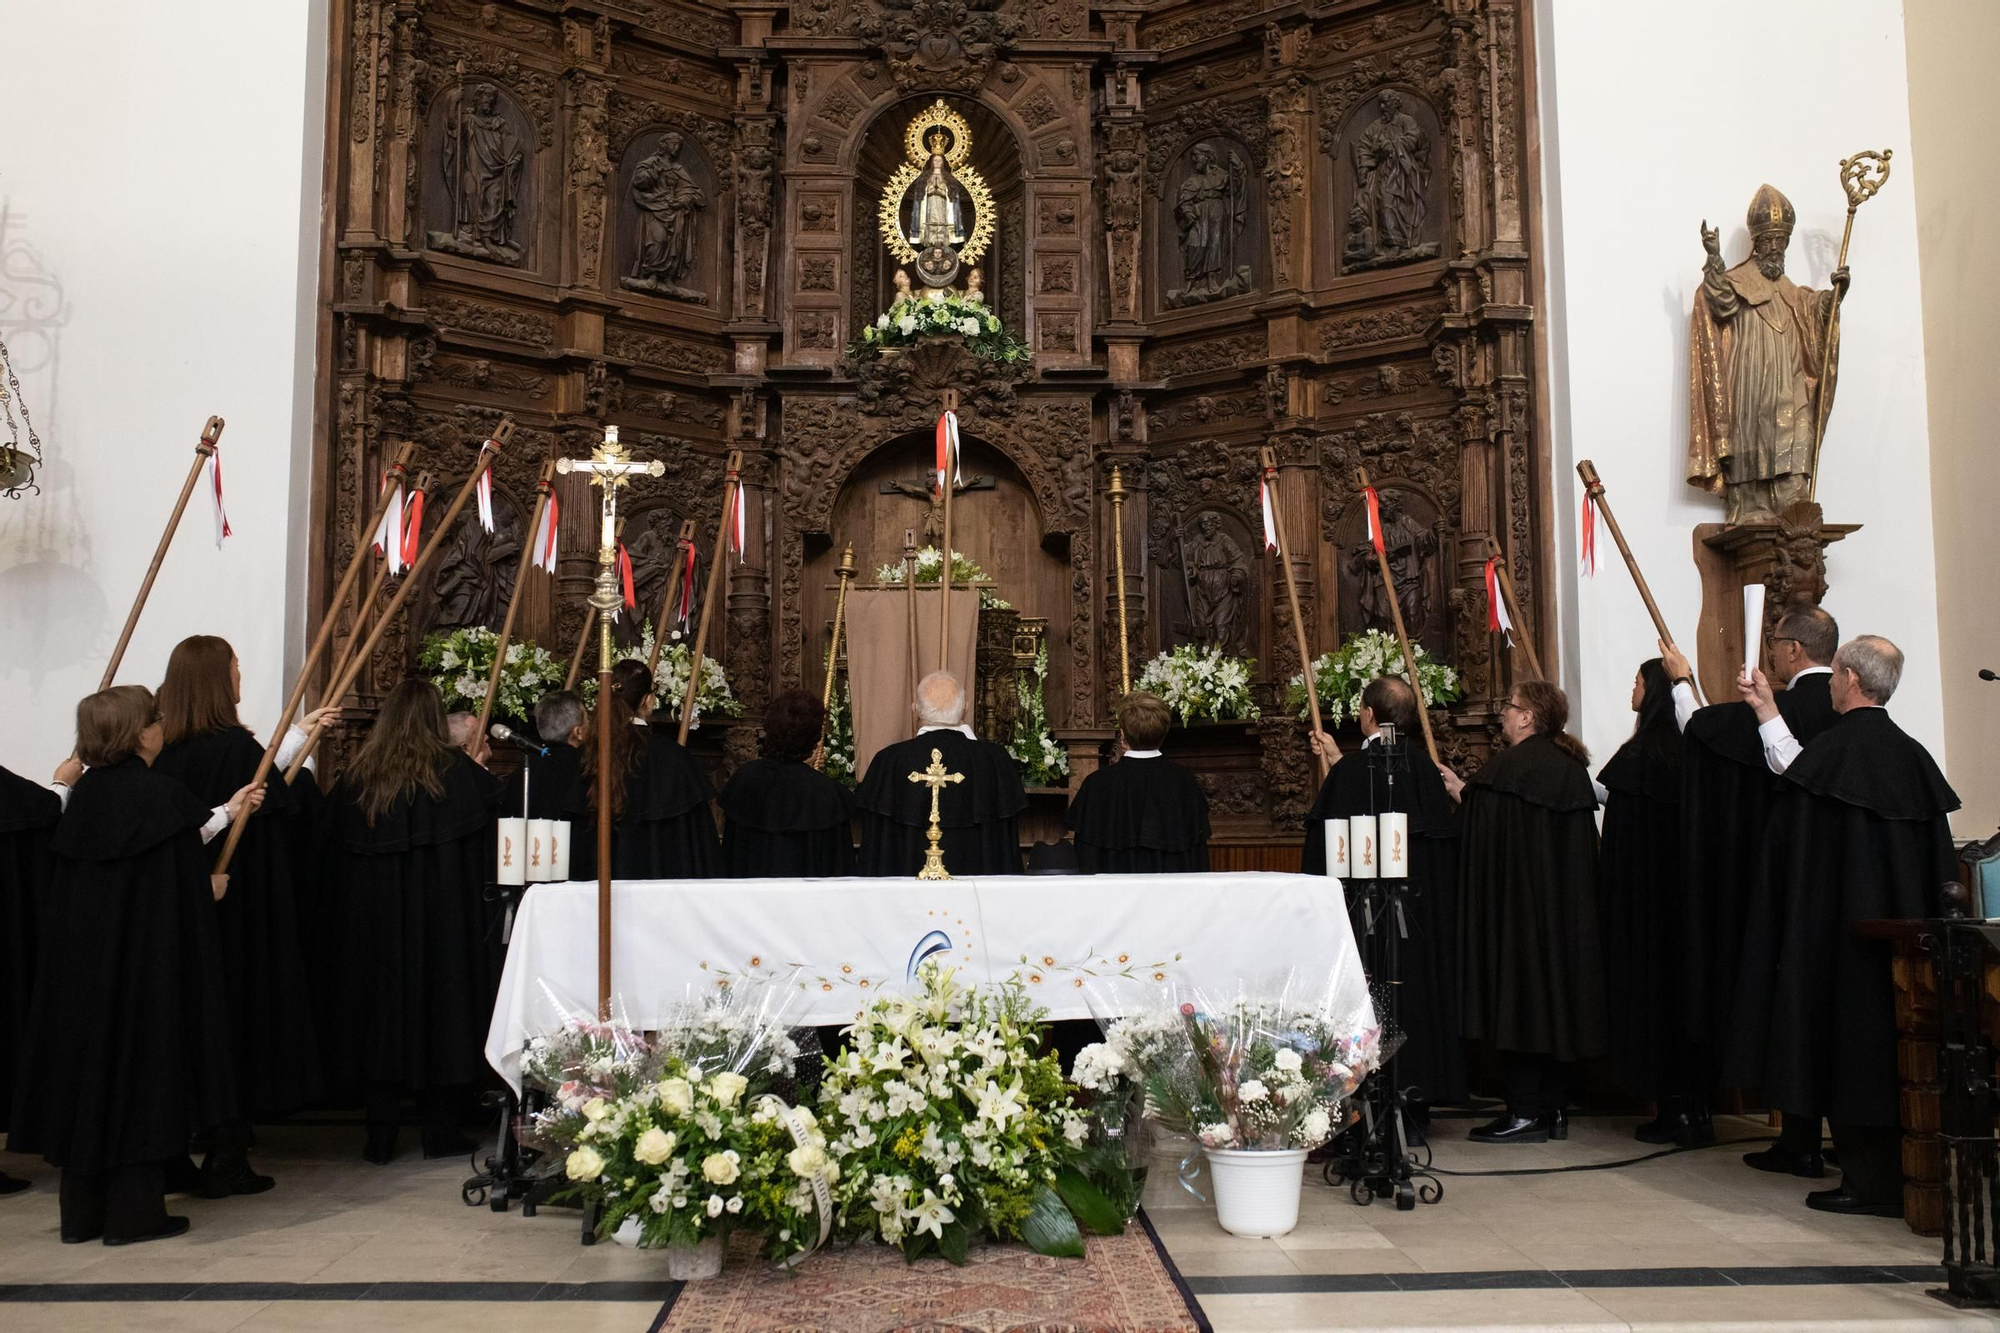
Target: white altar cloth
1119	938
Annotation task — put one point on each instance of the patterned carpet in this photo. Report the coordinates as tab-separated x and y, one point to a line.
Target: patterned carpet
1123	1284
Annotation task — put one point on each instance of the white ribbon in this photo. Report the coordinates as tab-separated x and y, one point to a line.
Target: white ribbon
822	1196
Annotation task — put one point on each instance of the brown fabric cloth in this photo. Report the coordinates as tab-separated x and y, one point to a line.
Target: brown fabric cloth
879	684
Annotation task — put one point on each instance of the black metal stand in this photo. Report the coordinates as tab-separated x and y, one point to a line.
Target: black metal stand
509	1170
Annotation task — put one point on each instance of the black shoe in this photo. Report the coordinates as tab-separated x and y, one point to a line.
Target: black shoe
446	1143
12	1184
380	1147
1558	1123
1512	1129
182	1175
175	1226
1838	1200
82	1237
1783	1161
1666	1127
1700	1130
231	1174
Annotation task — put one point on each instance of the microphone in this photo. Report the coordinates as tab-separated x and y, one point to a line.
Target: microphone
1986	673
500	731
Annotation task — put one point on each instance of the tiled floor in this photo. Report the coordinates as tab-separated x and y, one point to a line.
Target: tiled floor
1690	1241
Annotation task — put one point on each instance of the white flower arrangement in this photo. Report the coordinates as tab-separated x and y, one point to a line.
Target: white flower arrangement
941	313
670	681
459	661
964	571
1040	756
1340	676
1201	683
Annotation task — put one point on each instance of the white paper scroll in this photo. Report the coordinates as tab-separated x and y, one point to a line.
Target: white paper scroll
511	856
1395	849
540	866
1337	863
1362	847
1753	626
559	850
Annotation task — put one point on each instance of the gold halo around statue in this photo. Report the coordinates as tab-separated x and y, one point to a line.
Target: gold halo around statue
957	155
938	116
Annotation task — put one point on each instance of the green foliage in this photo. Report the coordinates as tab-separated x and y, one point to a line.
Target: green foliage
941	314
1340	676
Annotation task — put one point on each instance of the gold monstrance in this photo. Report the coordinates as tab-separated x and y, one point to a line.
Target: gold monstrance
935	777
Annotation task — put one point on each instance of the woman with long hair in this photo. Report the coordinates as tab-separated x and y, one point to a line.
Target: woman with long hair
661	824
781	817
1529	941
1643	915
263	964
413	843
128	1038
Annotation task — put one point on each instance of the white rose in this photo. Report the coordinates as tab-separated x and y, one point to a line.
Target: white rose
808	1160
1288	1061
727	1088
882	320
715	1205
1315	1127
908	324
596	1109
1253	1090
584	1165
654	1147
676	1096
721	1168
734	1206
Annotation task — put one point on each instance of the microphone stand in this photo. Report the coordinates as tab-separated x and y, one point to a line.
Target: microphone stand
1376	1158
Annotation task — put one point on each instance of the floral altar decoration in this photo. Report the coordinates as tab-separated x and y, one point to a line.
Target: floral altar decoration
670	682
839	764
940	313
1340	676
1201	684
930	566
459	662
1037	753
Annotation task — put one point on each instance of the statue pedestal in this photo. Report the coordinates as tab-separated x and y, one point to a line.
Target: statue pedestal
1787	555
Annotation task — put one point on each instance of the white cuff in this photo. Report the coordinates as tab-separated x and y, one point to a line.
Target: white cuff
288	749
1780	746
61	789
218	820
1598	788
1684	704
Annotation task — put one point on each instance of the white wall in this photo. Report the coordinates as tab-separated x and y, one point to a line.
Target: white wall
1655	117
152	183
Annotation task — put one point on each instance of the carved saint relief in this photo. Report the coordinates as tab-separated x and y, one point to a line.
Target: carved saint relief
667	230
1391	159
1211	212
482	157
475	574
1409	547
1218	586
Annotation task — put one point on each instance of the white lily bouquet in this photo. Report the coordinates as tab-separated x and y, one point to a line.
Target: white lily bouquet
1339	677
670	681
1201	683
914	318
458	662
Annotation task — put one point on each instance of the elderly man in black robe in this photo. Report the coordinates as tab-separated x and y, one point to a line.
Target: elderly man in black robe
977	815
1859	832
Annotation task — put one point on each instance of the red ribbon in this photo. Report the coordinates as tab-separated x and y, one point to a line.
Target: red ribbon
222	528
1375	520
625	577
1497	619
687	586
1588	545
413	527
737	520
546	538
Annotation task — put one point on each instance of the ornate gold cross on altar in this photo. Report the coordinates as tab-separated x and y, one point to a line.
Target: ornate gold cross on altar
935	777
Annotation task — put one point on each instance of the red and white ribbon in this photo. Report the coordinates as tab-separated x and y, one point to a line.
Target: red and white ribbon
737	529
222	528
485	495
947	451
625	577
389	532
545	536
1497	619
413	529
686	610
1587	546
1270	517
1375	520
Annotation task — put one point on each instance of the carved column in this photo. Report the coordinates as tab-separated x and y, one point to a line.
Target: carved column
1124	133
587	166
1288	120
1298	509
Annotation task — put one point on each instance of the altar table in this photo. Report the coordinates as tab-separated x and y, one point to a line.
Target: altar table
1116	941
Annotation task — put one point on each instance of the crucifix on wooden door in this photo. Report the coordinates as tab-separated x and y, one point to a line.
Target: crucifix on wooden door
925	488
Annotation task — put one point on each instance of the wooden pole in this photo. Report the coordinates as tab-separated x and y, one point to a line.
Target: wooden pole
544	487
583	631
409	585
1593	489
948	402
846	574
1292	596
1402	635
730	498
1118	552
910	590
1527	640
319	646
682	545
204	449
604	614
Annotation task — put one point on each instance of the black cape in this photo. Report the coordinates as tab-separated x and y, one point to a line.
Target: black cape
785	820
1140	816
417	984
28	814
1534	962
977	815
127	1049
264	976
551	780
666	830
1859	833
1640	911
1726	795
1432	1059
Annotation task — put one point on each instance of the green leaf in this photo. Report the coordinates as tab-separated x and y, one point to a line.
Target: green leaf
1091	1208
1049	1228
952	1245
914	1246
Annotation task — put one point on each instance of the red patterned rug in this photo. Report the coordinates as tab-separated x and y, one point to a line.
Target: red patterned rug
1123	1284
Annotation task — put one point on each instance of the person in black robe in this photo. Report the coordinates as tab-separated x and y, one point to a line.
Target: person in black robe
412	840
1143	814
1529	941
274	1035
661	823
1639	909
1430	1066
781	817
126	1053
977	816
550	778
1860	832
28	814
1727	793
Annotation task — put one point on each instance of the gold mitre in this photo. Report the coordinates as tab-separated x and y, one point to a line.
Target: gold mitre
1771	212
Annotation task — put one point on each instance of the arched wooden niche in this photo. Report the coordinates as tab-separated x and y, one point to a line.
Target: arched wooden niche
1389	182
479	187
1212	225
1414	534
669	226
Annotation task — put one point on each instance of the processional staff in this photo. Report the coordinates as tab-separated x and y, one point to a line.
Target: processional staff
680	584
1118	561
846	575
352	668
1593	495
204	450
397	535
728	535
1505	582
947	477
1860	177
610	467
910	599
583	630
1396	609
544	497
1274	539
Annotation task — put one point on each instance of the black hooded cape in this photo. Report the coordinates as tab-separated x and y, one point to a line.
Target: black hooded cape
977	815
1726	794
28	814
782	819
1432	1059
273	1031
1640	911
1859	833
126	1053
417	983
666	830
1534	961
551	780
1140	816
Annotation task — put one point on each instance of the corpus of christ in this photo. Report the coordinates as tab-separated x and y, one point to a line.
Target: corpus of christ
869	665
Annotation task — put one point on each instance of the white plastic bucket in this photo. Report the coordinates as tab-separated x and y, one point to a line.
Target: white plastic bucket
1257	1193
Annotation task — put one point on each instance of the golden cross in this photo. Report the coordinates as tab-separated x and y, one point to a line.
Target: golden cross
935	777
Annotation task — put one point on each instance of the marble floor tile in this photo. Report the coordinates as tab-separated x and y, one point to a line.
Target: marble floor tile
123	1317
1457	1310
1787	1309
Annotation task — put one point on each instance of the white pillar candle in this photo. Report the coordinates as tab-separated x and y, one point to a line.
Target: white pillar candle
1337	862
1395	847
512	853
1362	847
559	850
1753	625
541	868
